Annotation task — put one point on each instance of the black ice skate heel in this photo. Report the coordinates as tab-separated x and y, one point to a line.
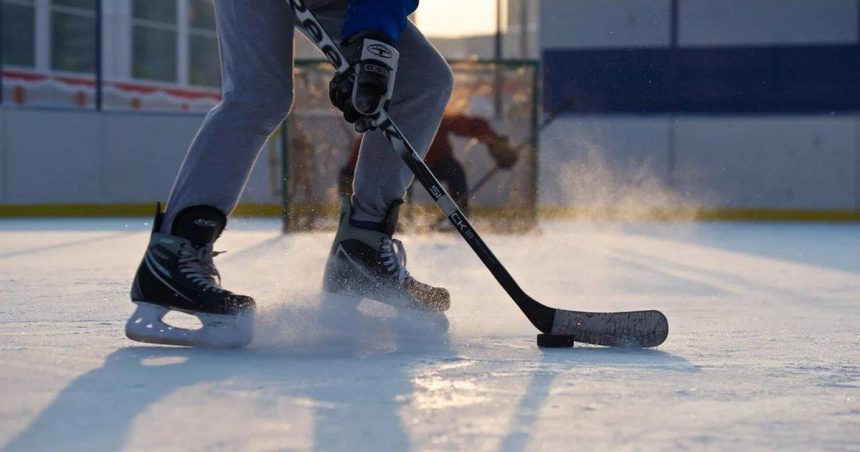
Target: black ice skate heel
177	274
371	264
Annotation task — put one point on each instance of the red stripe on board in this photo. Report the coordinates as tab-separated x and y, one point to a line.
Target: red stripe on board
186	93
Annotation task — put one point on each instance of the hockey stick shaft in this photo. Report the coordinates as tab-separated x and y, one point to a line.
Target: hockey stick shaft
550	118
489	175
482	181
541	316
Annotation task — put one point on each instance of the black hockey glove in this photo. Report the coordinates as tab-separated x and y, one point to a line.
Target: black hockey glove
364	90
503	153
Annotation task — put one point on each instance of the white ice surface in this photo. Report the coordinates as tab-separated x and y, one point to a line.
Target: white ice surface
763	350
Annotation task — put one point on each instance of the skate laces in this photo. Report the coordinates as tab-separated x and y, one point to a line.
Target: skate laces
197	265
394	257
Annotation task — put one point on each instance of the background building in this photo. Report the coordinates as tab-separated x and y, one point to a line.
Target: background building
730	105
154	54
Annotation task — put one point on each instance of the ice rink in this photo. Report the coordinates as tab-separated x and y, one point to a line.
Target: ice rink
763	350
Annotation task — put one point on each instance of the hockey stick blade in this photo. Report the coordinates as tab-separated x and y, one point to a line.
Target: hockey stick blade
614	329
633	329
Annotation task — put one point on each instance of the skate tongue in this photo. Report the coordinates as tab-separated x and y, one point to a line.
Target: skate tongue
201	225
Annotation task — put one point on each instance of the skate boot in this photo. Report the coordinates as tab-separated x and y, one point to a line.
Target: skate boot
370	263
177	273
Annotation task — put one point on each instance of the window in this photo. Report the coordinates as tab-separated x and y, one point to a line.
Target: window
73	35
204	68
154	38
18	33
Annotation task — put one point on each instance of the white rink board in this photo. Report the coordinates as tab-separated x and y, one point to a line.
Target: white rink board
603	24
737	162
767	22
763	349
66	156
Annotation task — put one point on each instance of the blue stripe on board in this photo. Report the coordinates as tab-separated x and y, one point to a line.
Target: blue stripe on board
809	79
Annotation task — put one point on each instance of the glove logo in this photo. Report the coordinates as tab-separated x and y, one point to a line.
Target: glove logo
205	223
379	50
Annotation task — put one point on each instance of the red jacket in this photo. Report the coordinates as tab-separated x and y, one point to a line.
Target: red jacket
441	149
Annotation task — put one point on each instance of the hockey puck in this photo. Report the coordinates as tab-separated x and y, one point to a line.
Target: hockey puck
554	341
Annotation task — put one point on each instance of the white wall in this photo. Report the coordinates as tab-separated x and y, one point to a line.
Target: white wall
3	167
732	22
59	157
604	23
776	162
771	162
589	161
65	156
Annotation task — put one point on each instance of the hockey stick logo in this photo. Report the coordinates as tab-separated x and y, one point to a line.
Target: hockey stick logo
315	32
435	192
462	225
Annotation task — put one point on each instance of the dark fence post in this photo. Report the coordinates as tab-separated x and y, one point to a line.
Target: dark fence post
98	50
286	223
497	55
1	52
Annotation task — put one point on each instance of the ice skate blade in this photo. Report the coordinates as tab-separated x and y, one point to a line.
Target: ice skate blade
218	331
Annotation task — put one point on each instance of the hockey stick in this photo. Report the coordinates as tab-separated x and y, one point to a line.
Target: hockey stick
560	327
482	181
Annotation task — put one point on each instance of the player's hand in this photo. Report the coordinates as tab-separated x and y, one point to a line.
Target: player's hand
503	153
363	91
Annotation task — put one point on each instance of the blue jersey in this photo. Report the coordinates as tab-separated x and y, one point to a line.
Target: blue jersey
386	16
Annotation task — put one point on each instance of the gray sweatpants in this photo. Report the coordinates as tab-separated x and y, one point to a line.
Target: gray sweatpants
256	44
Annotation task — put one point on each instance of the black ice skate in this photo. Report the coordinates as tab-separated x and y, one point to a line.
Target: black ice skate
177	273
371	264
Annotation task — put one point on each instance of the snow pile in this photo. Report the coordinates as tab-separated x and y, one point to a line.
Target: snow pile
596	183
313	323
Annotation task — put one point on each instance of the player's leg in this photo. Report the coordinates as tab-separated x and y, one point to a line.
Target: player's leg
422	90
256	45
365	259
177	271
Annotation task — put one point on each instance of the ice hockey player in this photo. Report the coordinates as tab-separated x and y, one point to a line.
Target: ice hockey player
256	43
